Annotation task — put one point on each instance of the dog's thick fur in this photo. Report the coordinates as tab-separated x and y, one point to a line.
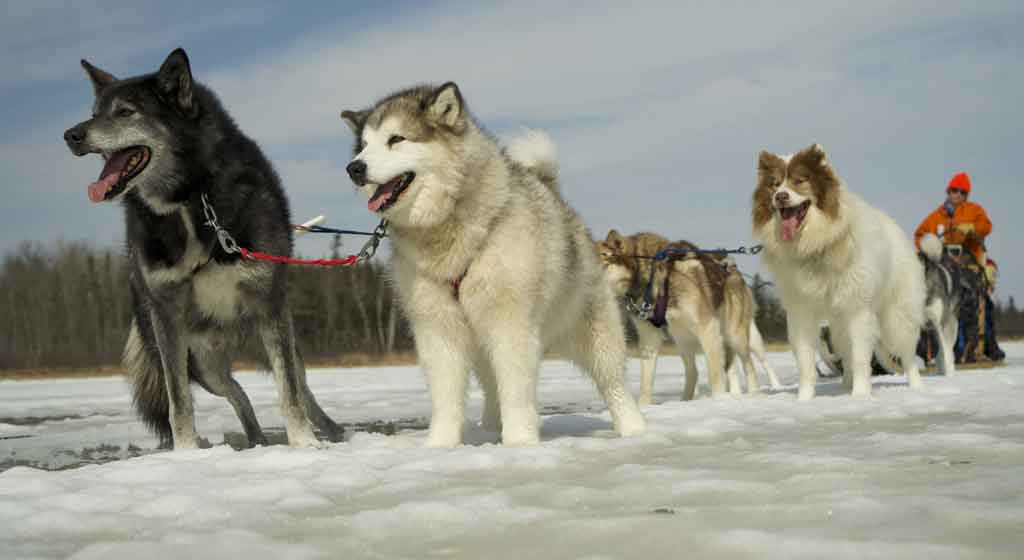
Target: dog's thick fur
492	266
942	302
194	302
836	258
710	308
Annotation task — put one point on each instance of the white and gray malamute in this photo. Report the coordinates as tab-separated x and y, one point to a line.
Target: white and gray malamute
492	266
166	142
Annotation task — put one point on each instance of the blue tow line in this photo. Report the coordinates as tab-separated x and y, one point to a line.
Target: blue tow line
323	229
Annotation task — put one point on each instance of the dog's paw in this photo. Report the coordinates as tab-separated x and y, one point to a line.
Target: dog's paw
304	438
182	444
444	434
632	428
915	382
861	392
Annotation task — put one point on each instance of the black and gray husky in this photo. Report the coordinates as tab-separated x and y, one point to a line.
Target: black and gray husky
167	146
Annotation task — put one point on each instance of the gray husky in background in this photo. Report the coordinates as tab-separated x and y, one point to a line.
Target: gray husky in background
942	300
166	141
492	266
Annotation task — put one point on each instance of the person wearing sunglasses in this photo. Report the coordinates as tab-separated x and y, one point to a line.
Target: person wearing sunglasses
959	222
962	226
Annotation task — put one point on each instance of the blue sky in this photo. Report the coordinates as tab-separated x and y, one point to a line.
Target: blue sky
658	109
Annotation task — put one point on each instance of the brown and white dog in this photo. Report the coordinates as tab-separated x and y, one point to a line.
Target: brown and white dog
836	258
707	307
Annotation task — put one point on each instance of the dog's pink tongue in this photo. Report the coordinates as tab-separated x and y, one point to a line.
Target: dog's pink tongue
789	226
380	196
108	177
98	190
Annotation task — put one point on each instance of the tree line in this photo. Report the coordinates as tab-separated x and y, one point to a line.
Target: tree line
69	306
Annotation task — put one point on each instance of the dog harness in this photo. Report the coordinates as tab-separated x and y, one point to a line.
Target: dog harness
653	309
660	307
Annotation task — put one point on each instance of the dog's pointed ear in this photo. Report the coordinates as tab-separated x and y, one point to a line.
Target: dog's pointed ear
99	78
355	119
615	240
815	153
175	81
824	179
445	106
767	160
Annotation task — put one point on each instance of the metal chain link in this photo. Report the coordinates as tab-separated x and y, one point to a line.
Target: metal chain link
226	241
370	248
668	253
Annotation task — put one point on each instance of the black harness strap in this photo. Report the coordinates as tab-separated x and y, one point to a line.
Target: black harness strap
660	307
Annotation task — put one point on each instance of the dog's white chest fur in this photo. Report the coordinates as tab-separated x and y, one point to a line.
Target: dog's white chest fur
215	288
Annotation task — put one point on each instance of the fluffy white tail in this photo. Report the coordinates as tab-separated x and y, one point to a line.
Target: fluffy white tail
535	150
931	246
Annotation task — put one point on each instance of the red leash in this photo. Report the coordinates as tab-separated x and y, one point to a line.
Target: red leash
257	256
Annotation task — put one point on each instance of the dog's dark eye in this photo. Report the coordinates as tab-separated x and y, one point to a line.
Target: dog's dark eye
395	139
124	112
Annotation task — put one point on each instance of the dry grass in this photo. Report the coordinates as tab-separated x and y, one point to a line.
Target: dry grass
59	373
347	361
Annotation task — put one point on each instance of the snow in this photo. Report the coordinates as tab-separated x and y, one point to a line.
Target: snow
936	473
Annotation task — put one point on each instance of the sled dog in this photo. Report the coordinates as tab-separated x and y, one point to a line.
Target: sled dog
704	304
835	258
942	302
166	142
492	267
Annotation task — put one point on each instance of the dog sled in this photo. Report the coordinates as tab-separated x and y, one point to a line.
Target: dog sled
830	365
933	369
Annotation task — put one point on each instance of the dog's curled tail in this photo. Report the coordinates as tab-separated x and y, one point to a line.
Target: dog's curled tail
535	151
149	390
931	247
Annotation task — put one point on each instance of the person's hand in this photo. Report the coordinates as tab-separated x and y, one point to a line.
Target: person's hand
966	230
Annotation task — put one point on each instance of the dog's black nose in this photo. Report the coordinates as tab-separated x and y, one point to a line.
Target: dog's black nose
74	136
357	171
781	198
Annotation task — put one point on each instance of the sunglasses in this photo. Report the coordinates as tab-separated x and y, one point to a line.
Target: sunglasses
960	191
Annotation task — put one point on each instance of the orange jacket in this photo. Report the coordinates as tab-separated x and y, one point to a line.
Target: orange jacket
967	213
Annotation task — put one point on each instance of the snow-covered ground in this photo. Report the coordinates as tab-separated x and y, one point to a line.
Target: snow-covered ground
937	473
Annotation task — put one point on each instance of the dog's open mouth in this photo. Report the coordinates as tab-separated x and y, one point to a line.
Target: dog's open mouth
792	219
388	194
120	168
